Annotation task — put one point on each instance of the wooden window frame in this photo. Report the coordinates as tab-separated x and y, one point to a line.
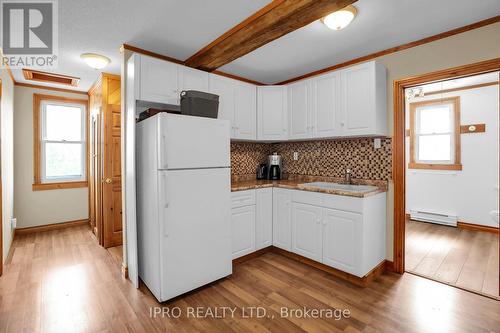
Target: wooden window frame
457	163
37	183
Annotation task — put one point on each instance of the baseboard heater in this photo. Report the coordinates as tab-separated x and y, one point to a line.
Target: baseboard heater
434	217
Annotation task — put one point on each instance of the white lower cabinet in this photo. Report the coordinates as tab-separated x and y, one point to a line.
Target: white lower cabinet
347	233
282	227
342	239
307	230
264	218
243	230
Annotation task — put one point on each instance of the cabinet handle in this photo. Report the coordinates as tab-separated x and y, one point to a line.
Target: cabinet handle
342	124
284	129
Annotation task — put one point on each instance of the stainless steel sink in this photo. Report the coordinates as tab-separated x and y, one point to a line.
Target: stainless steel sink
341	187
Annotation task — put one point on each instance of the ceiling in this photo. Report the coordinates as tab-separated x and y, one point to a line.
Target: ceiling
179	28
461	82
379	25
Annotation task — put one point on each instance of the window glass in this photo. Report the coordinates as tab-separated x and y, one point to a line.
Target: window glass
63	123
63	160
435	119
434	148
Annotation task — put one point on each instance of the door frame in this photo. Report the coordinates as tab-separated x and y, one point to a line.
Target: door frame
1	198
398	154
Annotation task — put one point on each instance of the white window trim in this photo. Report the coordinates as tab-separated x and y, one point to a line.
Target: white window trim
43	141
451	134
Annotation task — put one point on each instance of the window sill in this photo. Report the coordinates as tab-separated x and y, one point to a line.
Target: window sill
59	186
434	166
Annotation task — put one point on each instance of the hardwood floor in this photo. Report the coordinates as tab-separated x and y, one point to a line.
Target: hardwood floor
117	253
62	281
463	258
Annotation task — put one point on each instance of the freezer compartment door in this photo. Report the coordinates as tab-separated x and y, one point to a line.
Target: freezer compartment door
195	227
187	142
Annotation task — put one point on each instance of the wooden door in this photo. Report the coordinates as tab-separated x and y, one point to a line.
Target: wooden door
111	163
95	212
307	231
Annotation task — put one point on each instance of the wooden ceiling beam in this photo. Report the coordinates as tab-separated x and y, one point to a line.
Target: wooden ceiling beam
275	20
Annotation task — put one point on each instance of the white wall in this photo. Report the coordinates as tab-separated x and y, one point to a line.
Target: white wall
33	208
6	132
470	193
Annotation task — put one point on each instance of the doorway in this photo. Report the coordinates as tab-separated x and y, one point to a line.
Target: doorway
411	253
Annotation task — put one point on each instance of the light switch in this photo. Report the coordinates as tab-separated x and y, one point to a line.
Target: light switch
377	143
295	156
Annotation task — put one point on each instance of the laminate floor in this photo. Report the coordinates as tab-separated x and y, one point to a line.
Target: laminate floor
463	258
62	281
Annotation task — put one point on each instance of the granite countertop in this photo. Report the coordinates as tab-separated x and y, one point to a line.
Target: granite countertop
296	184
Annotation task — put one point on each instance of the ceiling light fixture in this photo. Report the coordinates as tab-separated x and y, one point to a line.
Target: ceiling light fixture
341	18
96	61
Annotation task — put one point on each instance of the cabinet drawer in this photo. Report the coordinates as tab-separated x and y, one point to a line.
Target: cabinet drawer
341	202
242	198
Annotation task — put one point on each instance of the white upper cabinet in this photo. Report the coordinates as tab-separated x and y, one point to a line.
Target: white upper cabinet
192	79
272	113
326	105
158	81
224	87
364	100
299	110
245	111
237	103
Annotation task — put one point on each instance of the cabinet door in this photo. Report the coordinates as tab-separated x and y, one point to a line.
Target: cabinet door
242	231
192	79
223	87
158	81
282	230
271	113
358	102
342	240
264	218
299	110
245	111
307	230
326	101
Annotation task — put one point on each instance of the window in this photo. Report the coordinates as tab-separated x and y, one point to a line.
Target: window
435	134
60	144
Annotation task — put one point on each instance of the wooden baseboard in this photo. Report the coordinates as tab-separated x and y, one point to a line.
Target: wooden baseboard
53	226
477	227
359	281
389	266
124	271
252	255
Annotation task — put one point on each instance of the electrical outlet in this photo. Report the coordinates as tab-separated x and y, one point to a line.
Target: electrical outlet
13	223
377	143
295	156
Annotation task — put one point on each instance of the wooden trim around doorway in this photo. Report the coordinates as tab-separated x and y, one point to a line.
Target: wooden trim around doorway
398	157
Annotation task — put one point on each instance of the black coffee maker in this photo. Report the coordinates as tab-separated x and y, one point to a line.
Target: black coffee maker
274	167
262	171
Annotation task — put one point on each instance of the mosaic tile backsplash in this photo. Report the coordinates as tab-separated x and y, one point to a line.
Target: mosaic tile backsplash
327	158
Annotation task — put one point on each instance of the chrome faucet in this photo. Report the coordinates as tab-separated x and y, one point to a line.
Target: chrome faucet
348	176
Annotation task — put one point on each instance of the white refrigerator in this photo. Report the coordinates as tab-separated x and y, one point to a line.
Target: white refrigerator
183	202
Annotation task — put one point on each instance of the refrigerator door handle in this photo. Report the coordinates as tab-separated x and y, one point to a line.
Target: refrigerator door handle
163	188
162	152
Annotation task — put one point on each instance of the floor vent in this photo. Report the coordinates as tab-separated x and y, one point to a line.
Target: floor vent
434	218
